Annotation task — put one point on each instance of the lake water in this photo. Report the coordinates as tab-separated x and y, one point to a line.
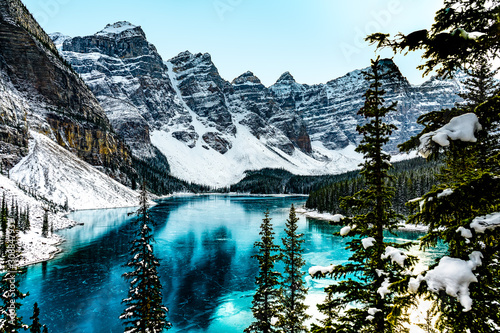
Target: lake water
204	244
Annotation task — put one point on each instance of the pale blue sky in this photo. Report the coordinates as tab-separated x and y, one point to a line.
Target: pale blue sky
316	40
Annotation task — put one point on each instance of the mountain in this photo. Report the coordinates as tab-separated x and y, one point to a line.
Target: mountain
55	174
39	91
330	110
211	130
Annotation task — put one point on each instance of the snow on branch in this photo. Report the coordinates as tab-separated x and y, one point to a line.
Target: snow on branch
320	270
452	275
384	288
481	223
460	128
368	242
396	255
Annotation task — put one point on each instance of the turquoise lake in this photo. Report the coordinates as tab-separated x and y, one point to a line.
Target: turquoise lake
205	244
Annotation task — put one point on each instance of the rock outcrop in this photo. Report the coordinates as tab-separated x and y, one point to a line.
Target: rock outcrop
48	96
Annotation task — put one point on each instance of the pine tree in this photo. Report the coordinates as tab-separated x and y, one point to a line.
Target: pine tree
10	295
470	180
45	223
265	303
144	311
480	83
293	291
27	225
371	296
3	223
35	327
463	32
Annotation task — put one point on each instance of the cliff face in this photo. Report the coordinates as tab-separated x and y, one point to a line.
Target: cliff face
54	99
330	110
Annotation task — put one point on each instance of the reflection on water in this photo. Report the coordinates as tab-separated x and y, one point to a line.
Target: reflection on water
204	244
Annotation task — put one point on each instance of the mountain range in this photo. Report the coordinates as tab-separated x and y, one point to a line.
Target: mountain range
114	102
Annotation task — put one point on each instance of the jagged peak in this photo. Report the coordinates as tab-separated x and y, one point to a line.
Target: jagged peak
246	77
286	78
121	29
187	56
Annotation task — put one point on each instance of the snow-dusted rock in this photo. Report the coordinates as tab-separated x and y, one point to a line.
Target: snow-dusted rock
62	178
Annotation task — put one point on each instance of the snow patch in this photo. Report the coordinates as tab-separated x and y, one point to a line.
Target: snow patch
461	128
368	242
384	288
464	232
482	223
62	178
345	230
445	193
396	255
454	276
35	247
314	270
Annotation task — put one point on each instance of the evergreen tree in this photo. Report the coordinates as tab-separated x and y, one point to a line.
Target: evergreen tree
293	291
480	84
27	224
144	311
35	327
371	296
45	223
3	223
470	181
10	295
265	303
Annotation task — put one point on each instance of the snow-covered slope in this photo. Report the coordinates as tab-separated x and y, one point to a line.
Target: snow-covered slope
62	178
35	247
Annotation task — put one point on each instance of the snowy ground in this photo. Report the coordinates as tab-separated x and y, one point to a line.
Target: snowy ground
35	247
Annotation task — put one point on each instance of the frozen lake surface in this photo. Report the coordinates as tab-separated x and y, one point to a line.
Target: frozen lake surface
204	244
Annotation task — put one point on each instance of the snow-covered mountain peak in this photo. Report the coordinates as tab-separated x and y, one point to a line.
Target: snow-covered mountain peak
121	29
58	39
286	78
247	77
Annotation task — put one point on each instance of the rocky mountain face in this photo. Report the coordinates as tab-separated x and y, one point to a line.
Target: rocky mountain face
330	110
39	91
183	105
120	65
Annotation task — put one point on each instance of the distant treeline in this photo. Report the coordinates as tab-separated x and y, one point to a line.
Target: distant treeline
279	181
411	179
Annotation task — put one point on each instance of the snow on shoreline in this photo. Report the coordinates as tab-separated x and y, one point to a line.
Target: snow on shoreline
314	214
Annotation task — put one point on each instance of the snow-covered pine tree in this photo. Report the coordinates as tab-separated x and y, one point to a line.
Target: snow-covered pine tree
370	296
35	326
265	303
10	295
45	223
144	311
293	290
463	211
